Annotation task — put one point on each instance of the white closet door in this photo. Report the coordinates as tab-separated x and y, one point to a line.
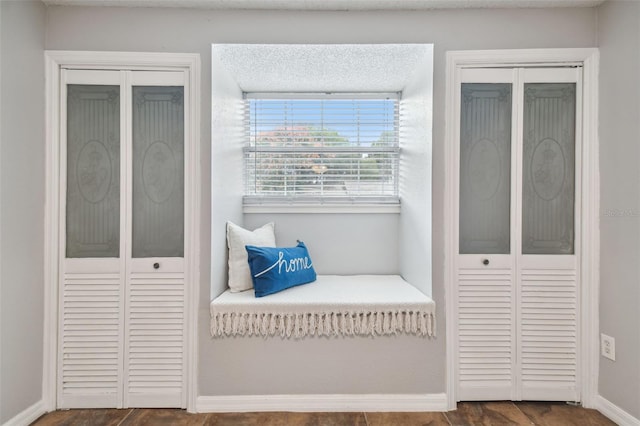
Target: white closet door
122	284
517	268
485	284
91	302
154	352
547	258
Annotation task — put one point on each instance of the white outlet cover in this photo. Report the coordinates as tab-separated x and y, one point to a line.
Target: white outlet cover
608	346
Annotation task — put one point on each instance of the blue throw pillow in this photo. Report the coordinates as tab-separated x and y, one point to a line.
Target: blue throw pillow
274	269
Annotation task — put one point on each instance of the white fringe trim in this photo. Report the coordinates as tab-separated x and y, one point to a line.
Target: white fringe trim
299	325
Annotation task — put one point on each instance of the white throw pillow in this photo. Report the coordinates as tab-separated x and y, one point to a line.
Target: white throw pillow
237	238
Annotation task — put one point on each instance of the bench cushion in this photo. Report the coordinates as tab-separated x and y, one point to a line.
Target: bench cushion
333	305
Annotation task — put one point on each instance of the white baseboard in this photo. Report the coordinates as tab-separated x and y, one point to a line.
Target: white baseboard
615	413
322	403
27	416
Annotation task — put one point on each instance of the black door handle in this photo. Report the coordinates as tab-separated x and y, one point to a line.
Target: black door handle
485	262
156	265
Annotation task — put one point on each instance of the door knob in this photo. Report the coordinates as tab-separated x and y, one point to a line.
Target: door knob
485	262
156	265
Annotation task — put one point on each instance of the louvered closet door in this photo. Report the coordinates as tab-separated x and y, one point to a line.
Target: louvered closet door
154	352
517	285
485	285
122	284
547	257
90	350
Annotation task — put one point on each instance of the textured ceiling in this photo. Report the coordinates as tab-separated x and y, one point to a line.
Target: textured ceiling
322	68
331	4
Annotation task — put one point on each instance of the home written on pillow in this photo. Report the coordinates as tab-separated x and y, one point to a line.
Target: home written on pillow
276	269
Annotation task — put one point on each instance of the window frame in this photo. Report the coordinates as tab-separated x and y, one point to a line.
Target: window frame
256	203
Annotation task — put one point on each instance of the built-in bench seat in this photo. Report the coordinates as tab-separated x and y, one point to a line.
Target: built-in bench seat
333	305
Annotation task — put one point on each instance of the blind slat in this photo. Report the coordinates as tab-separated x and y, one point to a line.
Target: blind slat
322	150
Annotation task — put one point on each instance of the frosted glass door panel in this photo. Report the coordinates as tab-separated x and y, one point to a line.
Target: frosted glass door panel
93	171
548	168
158	171
485	168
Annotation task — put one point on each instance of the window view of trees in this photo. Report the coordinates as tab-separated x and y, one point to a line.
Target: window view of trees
316	160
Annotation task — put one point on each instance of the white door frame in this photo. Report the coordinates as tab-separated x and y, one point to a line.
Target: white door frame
589	268
54	62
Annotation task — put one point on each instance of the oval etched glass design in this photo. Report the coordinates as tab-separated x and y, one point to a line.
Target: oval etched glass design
485	167
548	187
93	170
547	169
158	172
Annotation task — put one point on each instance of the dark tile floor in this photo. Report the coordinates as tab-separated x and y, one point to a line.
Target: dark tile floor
468	413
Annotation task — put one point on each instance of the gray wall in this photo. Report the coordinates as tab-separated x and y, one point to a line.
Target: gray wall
21	205
419	364
619	42
319	365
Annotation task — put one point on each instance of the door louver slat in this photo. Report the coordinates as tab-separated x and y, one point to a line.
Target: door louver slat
90	353
548	350
156	339
485	334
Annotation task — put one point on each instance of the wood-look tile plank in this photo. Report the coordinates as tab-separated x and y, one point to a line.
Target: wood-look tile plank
552	414
93	417
407	419
487	414
246	419
326	419
468	413
162	417
286	419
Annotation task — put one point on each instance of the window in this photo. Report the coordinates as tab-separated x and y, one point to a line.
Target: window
321	148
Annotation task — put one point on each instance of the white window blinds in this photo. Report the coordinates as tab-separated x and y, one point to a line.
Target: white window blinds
321	148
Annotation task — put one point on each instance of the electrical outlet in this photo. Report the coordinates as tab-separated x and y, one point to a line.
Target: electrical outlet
608	346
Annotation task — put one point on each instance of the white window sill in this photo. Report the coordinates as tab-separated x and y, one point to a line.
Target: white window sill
391	208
